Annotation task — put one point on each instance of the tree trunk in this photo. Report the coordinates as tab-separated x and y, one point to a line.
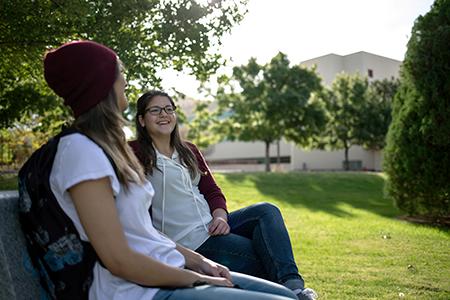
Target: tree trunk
267	156
346	163
278	156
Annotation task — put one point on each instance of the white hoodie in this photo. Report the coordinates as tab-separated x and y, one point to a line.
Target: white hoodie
179	210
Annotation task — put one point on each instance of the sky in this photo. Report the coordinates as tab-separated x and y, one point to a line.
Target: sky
305	29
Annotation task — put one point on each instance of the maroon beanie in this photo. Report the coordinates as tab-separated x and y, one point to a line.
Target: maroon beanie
81	72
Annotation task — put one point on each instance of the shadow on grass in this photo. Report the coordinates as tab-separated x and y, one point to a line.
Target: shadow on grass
322	191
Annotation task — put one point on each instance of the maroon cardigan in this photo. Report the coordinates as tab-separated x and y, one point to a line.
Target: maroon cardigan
207	185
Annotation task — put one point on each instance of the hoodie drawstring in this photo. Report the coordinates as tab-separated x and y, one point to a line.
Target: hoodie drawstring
191	188
187	185
164	195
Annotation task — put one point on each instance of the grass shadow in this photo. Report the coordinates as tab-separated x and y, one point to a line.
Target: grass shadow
321	191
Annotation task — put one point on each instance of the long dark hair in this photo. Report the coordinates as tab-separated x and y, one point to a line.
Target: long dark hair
148	153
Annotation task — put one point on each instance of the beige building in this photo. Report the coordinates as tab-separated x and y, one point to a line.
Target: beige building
248	155
373	66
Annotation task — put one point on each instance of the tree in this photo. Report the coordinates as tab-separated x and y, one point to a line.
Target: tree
346	102
148	35
269	102
246	111
295	107
416	157
202	129
378	112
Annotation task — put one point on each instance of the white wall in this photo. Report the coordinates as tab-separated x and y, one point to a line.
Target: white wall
378	160
332	160
382	67
328	66
236	150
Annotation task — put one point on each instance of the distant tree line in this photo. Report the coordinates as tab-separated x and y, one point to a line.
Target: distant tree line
278	100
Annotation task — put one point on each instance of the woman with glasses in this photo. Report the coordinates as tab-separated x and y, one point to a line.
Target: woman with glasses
190	208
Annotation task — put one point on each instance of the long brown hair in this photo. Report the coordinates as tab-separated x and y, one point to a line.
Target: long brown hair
145	141
103	123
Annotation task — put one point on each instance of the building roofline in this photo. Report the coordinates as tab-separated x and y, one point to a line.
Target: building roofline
329	54
373	54
350	54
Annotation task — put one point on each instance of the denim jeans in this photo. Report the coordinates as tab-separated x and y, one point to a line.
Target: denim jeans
249	288
258	244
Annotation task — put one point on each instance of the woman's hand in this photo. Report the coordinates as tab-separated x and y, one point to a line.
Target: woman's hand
219	224
220	281
209	267
200	264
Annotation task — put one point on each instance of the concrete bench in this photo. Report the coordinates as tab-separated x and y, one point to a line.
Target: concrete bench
18	279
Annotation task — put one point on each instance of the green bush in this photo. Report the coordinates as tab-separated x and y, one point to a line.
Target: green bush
8	181
417	155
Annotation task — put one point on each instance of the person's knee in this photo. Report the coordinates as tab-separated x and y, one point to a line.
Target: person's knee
267	208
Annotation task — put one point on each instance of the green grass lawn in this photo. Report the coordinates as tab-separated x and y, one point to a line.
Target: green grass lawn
346	239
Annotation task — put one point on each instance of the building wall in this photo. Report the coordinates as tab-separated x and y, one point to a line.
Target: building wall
378	160
300	159
244	150
328	66
382	67
333	160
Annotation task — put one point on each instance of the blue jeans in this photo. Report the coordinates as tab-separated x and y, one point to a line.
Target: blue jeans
250	288
258	244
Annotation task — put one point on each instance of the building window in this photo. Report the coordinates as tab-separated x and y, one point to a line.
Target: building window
370	73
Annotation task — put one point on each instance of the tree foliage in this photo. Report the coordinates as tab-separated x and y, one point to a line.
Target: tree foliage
17	144
359	113
346	104
148	35
417	158
378	112
269	102
203	126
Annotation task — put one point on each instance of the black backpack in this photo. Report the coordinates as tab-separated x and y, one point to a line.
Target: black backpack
63	261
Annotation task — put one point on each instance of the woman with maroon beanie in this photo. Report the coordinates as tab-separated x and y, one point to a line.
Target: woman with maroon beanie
109	205
190	208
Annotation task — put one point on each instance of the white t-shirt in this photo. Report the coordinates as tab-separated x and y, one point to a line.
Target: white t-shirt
179	210
79	159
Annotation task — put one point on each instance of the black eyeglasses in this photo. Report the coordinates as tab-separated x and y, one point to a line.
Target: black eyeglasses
157	110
